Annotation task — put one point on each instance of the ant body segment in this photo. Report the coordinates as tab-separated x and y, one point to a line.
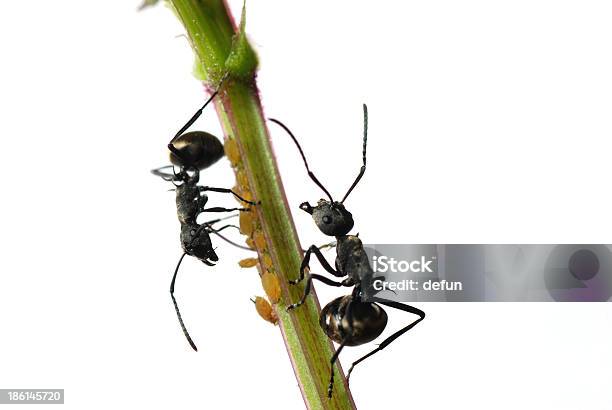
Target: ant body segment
192	152
347	320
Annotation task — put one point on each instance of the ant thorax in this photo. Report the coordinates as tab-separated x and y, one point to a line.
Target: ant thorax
352	259
189	201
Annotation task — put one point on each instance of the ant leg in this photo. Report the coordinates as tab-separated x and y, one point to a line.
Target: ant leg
324	246
166	176
214	221
199	112
190	122
220	209
227	191
178	313
387	341
175	151
330	386
348	315
328	245
159	172
202	200
308	286
314	249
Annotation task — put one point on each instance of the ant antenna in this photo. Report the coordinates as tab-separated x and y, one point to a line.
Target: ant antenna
365	142
178	313
312	176
210	229
230	241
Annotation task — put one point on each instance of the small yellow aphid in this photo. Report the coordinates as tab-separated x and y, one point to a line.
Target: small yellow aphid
265	310
248	263
250	243
232	151
259	239
271	285
246	220
267	261
243	180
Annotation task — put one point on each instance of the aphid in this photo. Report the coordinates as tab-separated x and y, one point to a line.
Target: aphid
250	243
265	310
259	239
271	285
247	223
347	320
232	151
192	152
248	262
242	179
267	261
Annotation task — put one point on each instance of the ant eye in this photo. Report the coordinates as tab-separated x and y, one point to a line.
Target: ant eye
327	219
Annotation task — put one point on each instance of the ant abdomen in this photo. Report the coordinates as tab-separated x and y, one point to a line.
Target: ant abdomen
195	149
366	322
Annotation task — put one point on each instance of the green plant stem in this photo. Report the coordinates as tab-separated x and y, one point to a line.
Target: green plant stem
223	50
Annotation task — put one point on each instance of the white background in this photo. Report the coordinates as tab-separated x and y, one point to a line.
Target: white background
489	123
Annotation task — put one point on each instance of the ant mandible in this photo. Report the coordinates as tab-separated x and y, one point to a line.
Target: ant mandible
192	152
347	320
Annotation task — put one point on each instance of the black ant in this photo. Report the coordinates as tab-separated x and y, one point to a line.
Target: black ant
192	152
347	320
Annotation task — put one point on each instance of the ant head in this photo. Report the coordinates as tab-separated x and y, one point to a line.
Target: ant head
196	149
204	253
331	218
196	242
